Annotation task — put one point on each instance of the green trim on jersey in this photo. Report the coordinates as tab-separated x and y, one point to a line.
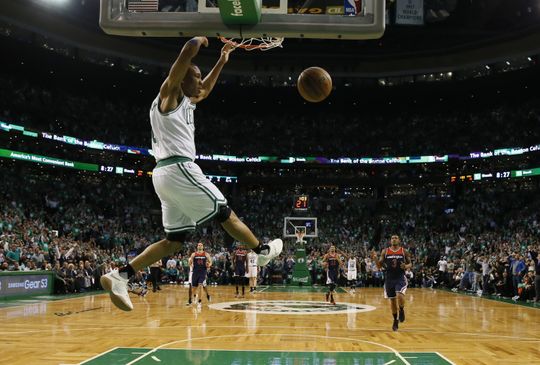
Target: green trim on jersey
217	202
189	227
172	160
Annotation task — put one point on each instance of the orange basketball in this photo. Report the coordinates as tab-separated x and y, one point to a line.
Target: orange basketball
314	84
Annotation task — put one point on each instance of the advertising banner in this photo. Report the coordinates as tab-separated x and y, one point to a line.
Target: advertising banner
26	283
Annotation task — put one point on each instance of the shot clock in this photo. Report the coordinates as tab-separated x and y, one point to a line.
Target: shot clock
301	203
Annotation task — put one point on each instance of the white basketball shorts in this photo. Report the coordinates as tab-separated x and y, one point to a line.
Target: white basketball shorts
252	272
187	197
351	275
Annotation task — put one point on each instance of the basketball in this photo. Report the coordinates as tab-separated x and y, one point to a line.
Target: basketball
314	84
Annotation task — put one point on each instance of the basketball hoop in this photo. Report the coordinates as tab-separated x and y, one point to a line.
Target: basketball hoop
300	235
251	44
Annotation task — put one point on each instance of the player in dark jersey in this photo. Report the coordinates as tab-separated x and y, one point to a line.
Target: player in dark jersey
395	260
240	265
332	264
200	261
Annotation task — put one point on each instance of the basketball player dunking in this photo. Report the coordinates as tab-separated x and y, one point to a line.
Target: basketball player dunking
187	198
201	262
240	265
332	263
396	260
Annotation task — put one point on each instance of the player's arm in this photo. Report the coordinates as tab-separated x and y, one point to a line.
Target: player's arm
325	261
210	80
408	263
208	260
171	89
190	261
380	261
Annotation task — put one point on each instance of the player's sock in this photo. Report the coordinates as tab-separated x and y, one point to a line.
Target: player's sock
327	297
262	249
401	314
237	290
243	290
128	269
395	316
395	325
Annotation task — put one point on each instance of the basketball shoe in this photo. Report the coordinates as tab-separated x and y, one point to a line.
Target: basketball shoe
270	251
117	287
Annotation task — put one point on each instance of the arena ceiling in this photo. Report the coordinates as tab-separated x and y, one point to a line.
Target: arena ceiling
465	33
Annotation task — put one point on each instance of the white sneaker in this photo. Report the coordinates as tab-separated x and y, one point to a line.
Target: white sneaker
117	288
515	298
276	246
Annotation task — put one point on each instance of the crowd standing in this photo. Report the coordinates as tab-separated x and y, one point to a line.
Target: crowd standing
487	243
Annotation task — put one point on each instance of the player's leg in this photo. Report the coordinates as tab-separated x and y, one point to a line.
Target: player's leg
332	290
328	283
401	288
394	307
252	283
236	282
190	294
205	288
401	303
199	293
243	278
390	293
240	232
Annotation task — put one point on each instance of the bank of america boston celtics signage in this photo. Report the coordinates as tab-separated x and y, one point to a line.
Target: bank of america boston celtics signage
291	307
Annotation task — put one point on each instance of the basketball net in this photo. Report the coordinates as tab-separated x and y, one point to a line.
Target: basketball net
251	44
300	235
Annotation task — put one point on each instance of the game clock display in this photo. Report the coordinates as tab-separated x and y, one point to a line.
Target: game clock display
301	202
503	175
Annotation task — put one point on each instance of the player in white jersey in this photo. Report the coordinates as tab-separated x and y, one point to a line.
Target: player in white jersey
253	270
187	198
352	273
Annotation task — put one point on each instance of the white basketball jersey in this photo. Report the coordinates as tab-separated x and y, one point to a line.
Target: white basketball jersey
351	265
173	133
252	259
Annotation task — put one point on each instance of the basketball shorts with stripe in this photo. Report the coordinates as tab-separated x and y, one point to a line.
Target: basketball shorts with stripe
187	197
392	286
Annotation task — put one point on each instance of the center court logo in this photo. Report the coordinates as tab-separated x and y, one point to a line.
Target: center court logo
296	307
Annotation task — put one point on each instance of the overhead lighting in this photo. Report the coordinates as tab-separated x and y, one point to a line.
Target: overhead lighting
488	68
508	63
53	2
529	59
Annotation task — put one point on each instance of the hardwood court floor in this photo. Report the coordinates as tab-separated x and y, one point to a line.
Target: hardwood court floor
463	329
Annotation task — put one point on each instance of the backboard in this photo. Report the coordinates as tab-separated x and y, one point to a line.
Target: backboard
306	224
324	19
